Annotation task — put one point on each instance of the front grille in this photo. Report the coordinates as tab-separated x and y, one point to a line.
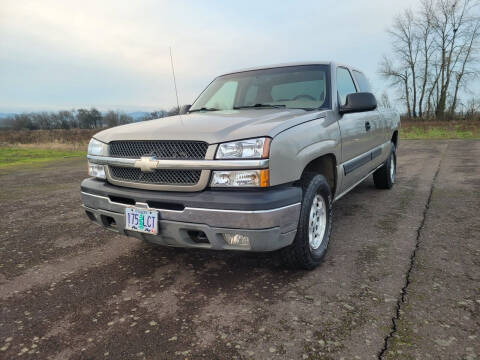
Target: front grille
161	149
158	177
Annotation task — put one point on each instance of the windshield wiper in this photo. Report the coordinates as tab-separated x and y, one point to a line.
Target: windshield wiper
204	109
260	106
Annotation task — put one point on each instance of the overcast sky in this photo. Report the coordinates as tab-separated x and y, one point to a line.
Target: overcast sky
114	54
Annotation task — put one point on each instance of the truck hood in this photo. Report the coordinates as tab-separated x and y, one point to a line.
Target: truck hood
213	126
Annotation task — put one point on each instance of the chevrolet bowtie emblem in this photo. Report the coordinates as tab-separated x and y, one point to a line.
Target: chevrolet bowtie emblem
146	163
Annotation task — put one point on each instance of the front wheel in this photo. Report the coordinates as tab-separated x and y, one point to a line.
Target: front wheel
314	225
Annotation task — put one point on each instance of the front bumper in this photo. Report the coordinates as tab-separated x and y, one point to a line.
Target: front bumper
198	220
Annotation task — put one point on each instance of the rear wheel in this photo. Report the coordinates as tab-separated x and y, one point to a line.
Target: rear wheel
384	178
314	226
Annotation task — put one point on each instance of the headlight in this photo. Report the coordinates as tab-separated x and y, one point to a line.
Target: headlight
245	149
96	147
245	178
96	170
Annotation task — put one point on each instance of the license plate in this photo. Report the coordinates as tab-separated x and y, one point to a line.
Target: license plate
141	220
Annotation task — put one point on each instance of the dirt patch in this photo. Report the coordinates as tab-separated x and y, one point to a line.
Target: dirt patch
70	289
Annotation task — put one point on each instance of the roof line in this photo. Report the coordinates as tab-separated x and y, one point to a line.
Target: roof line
279	65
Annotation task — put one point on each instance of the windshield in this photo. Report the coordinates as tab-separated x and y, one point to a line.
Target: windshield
294	87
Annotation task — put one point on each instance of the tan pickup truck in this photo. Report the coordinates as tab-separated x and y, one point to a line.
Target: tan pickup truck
254	165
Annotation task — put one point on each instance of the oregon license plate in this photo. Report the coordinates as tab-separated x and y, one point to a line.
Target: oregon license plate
141	220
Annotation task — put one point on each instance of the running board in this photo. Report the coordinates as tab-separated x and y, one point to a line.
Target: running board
354	185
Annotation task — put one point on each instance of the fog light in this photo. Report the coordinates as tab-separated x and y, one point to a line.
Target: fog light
236	239
96	170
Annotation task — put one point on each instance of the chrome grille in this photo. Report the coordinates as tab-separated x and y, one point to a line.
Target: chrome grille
161	149
158	177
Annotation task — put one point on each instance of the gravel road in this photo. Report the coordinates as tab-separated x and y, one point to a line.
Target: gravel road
401	279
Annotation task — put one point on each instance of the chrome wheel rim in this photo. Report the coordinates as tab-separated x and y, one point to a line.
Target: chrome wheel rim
392	169
317	222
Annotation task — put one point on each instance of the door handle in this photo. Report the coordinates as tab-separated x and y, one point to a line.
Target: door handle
367	126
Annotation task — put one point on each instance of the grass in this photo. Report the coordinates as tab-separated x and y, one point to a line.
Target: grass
435	130
12	156
50	146
438	133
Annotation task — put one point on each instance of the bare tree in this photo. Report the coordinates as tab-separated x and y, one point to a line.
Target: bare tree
399	78
433	90
472	109
449	19
89	119
385	101
173	111
66	119
465	58
426	48
406	48
433	53
111	119
156	115
124	119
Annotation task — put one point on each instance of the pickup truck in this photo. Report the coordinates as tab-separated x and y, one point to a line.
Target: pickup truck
255	164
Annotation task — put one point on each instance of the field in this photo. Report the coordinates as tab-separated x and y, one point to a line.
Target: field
417	129
74	137
38	146
28	155
30	148
400	279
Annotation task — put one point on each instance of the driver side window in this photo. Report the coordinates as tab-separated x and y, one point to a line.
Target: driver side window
345	85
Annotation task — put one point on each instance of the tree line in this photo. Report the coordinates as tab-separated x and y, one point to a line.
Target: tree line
77	119
434	56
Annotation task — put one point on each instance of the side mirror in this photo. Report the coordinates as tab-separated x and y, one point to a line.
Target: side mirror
184	109
358	102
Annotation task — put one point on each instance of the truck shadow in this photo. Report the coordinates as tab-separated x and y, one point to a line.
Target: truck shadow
242	261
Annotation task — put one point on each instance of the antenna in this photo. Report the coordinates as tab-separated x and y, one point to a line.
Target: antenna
174	81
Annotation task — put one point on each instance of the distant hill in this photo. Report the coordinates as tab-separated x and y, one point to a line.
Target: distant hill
5	115
138	115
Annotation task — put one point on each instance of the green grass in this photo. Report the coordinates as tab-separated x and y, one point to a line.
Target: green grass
12	156
413	132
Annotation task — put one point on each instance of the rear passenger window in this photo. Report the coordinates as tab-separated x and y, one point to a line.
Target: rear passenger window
345	84
362	81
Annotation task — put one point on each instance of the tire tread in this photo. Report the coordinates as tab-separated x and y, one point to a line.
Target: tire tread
298	255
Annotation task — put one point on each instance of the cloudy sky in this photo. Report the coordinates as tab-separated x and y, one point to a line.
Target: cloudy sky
114	54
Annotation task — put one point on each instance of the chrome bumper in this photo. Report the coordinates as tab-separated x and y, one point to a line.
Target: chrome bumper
267	230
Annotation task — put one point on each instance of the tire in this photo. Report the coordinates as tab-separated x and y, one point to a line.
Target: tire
384	178
303	253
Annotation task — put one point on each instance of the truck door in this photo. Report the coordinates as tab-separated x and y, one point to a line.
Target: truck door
358	139
378	124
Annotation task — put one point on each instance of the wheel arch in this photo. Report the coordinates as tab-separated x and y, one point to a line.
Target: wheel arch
395	138
325	165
